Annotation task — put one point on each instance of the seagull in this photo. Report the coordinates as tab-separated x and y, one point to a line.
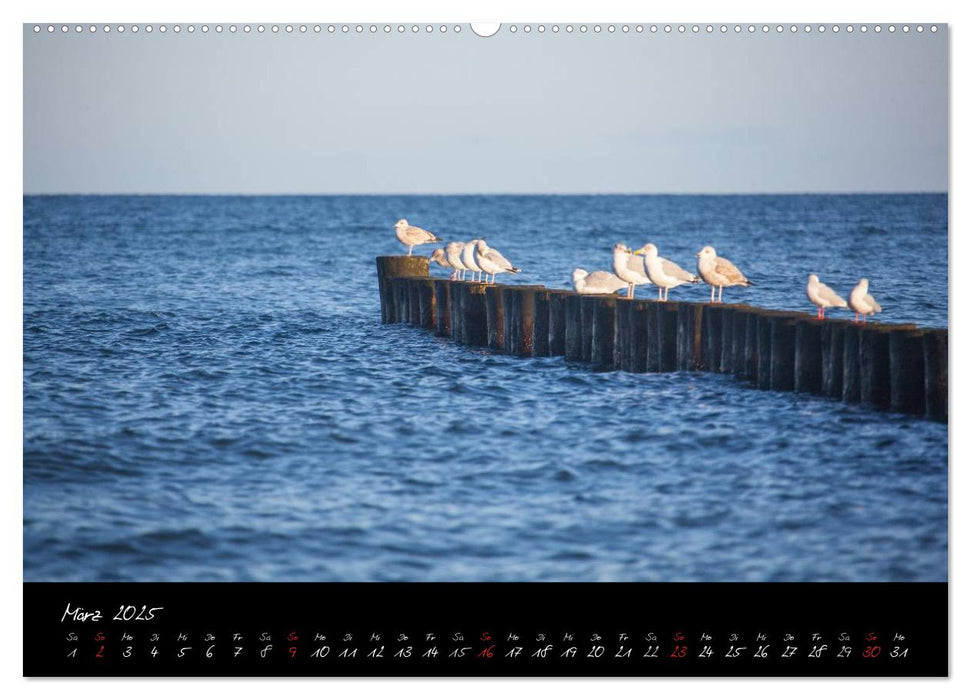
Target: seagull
629	268
468	258
823	297
861	302
453	254
598	282
662	272
719	272
438	255
412	235
491	261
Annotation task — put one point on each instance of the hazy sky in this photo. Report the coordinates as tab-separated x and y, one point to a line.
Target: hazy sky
432	113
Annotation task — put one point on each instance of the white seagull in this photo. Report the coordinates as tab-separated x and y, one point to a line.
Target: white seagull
412	235
823	297
491	261
719	272
861	302
453	254
468	258
597	282
662	272
629	268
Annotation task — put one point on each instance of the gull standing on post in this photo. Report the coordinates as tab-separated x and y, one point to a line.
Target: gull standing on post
861	302
662	272
629	268
719	272
468	258
597	282
412	235
823	297
453	254
491	261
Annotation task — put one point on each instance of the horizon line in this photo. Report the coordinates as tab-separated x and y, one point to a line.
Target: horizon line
486	194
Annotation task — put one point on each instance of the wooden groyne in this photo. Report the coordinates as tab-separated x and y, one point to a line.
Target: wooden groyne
887	366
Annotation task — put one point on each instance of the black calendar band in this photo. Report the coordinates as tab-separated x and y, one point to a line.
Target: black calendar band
485	629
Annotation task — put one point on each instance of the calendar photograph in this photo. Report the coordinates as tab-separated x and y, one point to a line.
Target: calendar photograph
431	305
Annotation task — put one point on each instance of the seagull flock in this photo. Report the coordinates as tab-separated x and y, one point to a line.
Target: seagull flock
631	268
474	256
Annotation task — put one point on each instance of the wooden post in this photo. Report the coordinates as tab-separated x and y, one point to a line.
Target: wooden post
527	317
414	300
653	345
509	339
459	305
764	330
739	323
935	374
667	337
728	336
638	336
474	329
875	365
458	290
712	327
809	356
519	306
907	386
831	340
573	345
851	364
588	307
399	293
426	303
783	353
752	347
622	344
602	333
442	307
558	322
698	337
541	323
495	324
685	355
391	267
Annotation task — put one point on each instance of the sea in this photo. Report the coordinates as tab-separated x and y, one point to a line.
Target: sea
209	395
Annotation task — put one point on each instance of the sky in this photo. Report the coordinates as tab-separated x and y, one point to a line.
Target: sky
321	113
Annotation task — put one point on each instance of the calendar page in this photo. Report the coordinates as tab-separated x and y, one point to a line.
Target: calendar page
511	349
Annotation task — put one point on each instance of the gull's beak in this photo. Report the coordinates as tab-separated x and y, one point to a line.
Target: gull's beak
698	254
639	251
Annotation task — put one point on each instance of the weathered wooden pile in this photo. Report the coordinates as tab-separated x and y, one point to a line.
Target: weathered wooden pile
895	367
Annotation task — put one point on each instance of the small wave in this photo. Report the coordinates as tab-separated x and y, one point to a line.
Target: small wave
571	555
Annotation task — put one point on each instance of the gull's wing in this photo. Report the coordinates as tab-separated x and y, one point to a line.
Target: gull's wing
497	258
872	302
829	296
727	269
673	270
605	280
420	234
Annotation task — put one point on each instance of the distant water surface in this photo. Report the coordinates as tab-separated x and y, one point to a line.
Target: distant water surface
209	395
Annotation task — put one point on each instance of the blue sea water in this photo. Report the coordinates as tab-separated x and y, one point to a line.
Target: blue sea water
209	394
